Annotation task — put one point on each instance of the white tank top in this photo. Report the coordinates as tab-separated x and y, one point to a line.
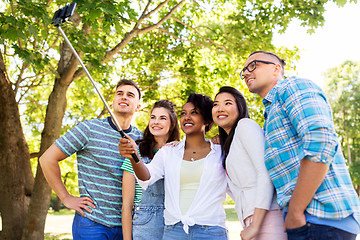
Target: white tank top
190	175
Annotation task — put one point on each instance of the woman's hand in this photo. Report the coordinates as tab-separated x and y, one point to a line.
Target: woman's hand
216	139
172	144
249	232
127	146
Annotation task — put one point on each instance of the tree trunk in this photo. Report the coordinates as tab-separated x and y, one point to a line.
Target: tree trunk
57	204
15	170
40	200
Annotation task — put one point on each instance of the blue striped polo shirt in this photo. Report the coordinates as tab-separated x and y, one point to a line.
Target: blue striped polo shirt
99	166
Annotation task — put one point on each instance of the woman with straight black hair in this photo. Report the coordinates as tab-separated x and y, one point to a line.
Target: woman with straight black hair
242	142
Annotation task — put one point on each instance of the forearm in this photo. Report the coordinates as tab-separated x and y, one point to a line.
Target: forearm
128	193
126	220
53	177
140	170
311	175
258	218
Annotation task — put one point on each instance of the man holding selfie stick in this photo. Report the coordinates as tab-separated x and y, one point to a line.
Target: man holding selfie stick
98	209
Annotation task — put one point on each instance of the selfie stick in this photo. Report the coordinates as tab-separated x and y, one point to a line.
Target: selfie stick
60	17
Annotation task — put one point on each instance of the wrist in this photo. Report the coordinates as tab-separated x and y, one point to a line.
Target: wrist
64	197
255	226
295	212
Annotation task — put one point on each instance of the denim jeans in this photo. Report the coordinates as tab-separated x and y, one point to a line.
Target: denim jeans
196	232
84	228
148	218
318	232
148	223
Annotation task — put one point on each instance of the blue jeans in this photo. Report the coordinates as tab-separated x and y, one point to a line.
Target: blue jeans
318	232
148	222
84	228
196	232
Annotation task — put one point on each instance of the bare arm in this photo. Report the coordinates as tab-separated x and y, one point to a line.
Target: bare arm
49	162
128	193
126	148
311	175
251	231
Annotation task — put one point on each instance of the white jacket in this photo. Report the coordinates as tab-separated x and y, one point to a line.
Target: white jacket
248	179
207	208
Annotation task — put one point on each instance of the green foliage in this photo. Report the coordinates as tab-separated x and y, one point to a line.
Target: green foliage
343	90
201	47
354	170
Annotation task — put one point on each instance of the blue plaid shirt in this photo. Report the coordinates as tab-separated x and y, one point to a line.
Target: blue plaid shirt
298	125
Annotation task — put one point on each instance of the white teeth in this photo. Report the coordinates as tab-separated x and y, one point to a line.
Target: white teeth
222	117
249	80
188	124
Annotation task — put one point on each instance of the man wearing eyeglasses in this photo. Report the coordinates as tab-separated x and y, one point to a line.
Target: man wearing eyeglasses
302	153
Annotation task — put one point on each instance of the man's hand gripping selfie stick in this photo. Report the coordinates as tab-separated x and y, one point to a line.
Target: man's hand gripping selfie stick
60	17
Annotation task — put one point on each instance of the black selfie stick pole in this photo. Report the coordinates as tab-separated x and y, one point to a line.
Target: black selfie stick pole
59	17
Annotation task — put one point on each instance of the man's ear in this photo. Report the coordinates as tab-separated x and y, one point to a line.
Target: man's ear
278	69
138	107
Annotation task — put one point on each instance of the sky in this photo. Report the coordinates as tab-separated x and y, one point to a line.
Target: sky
332	44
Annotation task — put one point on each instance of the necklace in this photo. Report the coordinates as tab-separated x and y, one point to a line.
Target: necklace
192	159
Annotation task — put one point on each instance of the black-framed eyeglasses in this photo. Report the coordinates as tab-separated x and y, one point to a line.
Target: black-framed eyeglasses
252	66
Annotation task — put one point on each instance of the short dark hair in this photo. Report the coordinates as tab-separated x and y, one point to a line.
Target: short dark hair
280	60
204	104
225	139
123	82
147	144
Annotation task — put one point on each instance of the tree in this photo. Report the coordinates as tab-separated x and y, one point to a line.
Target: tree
343	86
161	44
14	153
343	89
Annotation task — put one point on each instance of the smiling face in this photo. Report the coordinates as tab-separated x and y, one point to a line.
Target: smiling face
265	76
160	123
126	100
225	111
191	120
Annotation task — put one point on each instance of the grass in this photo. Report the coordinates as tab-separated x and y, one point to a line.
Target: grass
49	236
231	215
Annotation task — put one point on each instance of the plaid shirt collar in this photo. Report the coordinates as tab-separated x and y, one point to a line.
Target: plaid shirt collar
268	99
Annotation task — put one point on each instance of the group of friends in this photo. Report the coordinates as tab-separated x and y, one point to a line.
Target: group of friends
289	179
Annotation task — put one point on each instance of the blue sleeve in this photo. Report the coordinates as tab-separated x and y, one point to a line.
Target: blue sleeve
310	115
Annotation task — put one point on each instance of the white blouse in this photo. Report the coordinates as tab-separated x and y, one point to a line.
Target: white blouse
207	208
248	179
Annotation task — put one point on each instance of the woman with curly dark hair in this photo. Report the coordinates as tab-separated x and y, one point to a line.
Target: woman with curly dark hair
195	181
